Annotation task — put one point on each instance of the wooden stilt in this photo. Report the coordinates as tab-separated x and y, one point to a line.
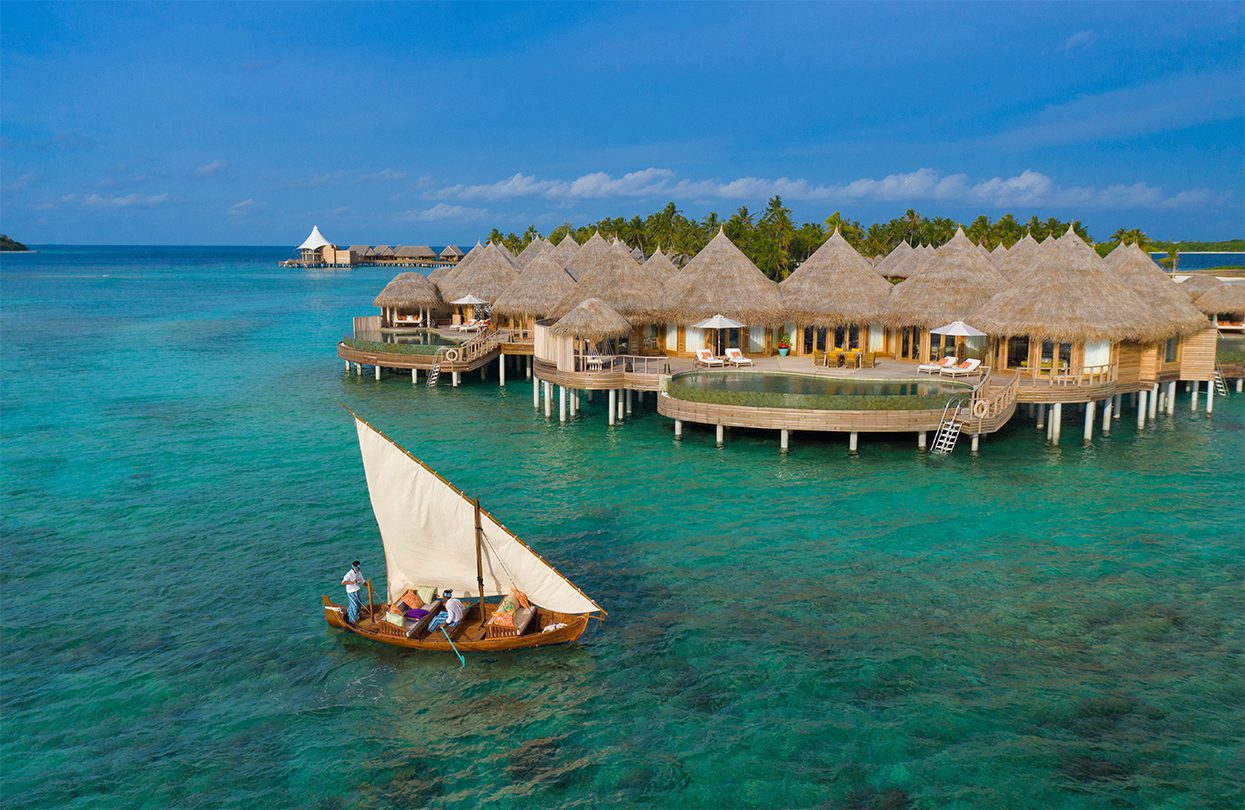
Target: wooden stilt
1154	402
920	441
347	366
529	367
1106	415
1193	400
629	397
976	446
613	405
1141	410
619	397
1116	412
853	442
501	371
784	440
377	372
414	376
678	428
548	399
1041	416
1171	398
1056	422
721	435
535	394
1210	398
561	403
1089	421
454	379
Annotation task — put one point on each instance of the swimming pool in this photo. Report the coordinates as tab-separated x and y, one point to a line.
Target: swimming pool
761	389
419	337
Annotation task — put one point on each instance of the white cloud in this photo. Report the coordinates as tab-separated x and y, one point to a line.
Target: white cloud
120	201
1026	188
442	212
241	207
209	169
339	177
20	183
1079	41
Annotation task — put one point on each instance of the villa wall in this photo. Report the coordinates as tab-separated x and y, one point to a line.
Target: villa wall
1197	356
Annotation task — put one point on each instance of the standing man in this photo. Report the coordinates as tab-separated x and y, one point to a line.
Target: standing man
352	581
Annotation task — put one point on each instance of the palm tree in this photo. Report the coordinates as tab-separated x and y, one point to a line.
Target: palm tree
1172	260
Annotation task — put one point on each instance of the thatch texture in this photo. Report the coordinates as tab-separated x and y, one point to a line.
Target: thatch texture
835	286
1020	257
409	290
565	250
1068	295
619	281
536	290
909	265
949	286
591	320
590	254
659	264
442	275
900	254
451	252
1226	298
413	252
534	248
484	278
1154	287
721	279
1195	285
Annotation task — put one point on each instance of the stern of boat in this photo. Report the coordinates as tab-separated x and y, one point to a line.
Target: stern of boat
333	613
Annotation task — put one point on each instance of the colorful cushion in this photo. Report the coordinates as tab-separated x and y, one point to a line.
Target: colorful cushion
395	619
426	592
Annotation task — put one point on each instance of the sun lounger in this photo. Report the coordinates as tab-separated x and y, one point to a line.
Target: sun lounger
705	357
736	358
967	367
935	368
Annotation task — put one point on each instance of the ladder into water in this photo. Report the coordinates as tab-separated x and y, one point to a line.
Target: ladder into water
949	429
1221	385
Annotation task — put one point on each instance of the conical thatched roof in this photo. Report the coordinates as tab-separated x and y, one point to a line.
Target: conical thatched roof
835	286
1021	256
1069	295
591	320
1225	298
409	290
442	275
590	253
484	278
536	290
998	254
1195	285
910	264
534	248
565	250
949	287
721	279
900	254
659	264
1154	287
619	281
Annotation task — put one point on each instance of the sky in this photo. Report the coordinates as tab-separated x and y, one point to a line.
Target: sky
206	123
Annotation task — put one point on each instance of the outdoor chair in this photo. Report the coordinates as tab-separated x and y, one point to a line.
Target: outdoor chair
935	368
736	358
967	367
704	357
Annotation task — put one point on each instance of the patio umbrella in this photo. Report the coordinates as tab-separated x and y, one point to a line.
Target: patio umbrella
958	329
469	301
718	322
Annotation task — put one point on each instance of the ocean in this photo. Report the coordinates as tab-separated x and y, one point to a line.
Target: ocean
1032	627
1203	261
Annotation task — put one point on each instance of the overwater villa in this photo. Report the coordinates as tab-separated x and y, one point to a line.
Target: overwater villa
928	341
317	252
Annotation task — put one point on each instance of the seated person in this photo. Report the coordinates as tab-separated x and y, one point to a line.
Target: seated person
452	616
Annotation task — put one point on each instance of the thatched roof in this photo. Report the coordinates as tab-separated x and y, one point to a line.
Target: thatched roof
949	286
534	248
536	290
484	278
909	265
1195	285
1226	298
622	283
359	250
442	275
589	255
409	290
451	251
835	286
382	252
1154	287
1069	295
721	279
1021	256
659	264
901	252
591	320
565	250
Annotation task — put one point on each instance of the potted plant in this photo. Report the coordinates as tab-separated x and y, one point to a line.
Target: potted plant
784	343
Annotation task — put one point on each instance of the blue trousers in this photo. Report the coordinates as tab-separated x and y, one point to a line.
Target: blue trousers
355	604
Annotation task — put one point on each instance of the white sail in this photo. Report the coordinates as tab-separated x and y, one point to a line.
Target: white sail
428	529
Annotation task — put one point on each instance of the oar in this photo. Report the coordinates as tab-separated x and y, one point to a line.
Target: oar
452	647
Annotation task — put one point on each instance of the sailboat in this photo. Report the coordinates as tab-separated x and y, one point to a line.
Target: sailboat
436	539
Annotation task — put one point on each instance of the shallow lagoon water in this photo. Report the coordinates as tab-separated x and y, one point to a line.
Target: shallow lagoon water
1032	627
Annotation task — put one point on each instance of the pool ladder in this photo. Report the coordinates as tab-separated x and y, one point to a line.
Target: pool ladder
1221	385
949	428
434	375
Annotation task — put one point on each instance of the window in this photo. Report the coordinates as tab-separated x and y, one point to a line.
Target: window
1172	350
1018	352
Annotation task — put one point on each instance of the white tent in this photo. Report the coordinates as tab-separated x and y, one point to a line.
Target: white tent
315	240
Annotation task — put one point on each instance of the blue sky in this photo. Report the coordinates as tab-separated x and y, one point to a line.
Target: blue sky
200	123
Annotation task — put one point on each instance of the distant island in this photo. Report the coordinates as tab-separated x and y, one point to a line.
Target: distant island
10	244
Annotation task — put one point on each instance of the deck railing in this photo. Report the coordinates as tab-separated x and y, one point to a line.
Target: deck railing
987	403
480	345
629	363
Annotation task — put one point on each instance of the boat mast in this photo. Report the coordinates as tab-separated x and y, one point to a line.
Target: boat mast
479	560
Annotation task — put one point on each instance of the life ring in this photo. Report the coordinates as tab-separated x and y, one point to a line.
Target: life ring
981	409
451	355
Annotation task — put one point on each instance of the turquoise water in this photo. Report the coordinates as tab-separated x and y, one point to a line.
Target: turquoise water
1053	627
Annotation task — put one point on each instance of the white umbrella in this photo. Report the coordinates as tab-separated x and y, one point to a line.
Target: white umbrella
719	322
468	300
958	329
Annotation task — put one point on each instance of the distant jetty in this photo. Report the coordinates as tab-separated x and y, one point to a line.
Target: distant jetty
316	251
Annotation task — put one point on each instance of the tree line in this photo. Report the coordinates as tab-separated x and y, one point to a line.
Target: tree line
777	244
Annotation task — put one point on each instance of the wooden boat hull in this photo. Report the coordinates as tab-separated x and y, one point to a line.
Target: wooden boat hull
335	614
